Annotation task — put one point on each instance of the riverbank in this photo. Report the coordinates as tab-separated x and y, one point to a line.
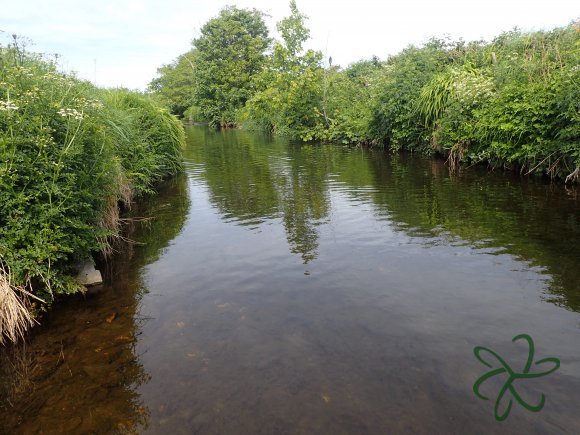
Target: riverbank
510	103
304	280
72	156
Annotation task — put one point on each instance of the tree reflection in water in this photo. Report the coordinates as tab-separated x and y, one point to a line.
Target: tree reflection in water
254	178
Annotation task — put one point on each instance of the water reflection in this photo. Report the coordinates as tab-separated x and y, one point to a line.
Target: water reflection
305	198
80	372
535	222
288	288
251	183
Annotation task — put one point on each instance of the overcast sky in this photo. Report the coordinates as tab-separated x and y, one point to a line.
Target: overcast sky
122	42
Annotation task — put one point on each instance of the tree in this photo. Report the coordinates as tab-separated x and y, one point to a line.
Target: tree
230	51
174	85
348	96
396	121
294	34
291	87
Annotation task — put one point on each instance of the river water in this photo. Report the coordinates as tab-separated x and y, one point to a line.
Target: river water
282	288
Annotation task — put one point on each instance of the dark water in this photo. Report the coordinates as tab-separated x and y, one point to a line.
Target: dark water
299	289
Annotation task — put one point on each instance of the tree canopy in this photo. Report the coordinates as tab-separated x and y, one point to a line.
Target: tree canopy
230	51
174	86
290	89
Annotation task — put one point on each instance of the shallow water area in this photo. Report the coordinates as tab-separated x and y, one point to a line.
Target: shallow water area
289	288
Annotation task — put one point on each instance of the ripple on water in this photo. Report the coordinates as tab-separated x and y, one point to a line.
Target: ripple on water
284	288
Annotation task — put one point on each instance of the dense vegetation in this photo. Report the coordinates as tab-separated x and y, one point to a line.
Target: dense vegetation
229	53
70	156
513	102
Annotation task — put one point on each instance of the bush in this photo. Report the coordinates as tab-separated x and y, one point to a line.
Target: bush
69	153
520	110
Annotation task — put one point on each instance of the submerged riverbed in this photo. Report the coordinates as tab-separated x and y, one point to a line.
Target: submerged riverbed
287	288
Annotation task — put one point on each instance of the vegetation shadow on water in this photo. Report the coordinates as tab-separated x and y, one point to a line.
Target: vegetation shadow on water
79	371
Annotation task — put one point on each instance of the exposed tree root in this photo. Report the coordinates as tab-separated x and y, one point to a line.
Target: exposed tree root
574	176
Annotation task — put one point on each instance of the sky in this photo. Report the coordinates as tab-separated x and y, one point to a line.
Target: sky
122	42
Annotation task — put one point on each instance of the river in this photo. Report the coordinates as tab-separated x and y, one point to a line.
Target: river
283	288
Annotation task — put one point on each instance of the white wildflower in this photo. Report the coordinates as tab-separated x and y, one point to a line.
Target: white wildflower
72	113
8	105
94	104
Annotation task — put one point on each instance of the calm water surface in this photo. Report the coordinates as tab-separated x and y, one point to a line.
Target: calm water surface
279	288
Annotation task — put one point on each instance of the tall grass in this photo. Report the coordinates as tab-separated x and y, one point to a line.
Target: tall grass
70	154
146	138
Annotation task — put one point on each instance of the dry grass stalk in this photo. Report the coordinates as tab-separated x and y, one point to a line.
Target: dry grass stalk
15	318
110	220
574	176
21	368
125	190
455	157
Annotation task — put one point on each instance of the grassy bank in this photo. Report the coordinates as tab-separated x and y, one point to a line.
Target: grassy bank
71	155
512	103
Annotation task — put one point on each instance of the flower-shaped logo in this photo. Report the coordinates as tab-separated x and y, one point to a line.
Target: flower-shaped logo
552	365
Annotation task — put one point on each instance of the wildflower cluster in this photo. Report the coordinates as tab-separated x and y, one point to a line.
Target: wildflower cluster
57	77
22	71
72	113
8	105
93	104
471	88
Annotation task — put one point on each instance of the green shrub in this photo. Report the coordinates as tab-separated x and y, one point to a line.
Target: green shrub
520	110
69	153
